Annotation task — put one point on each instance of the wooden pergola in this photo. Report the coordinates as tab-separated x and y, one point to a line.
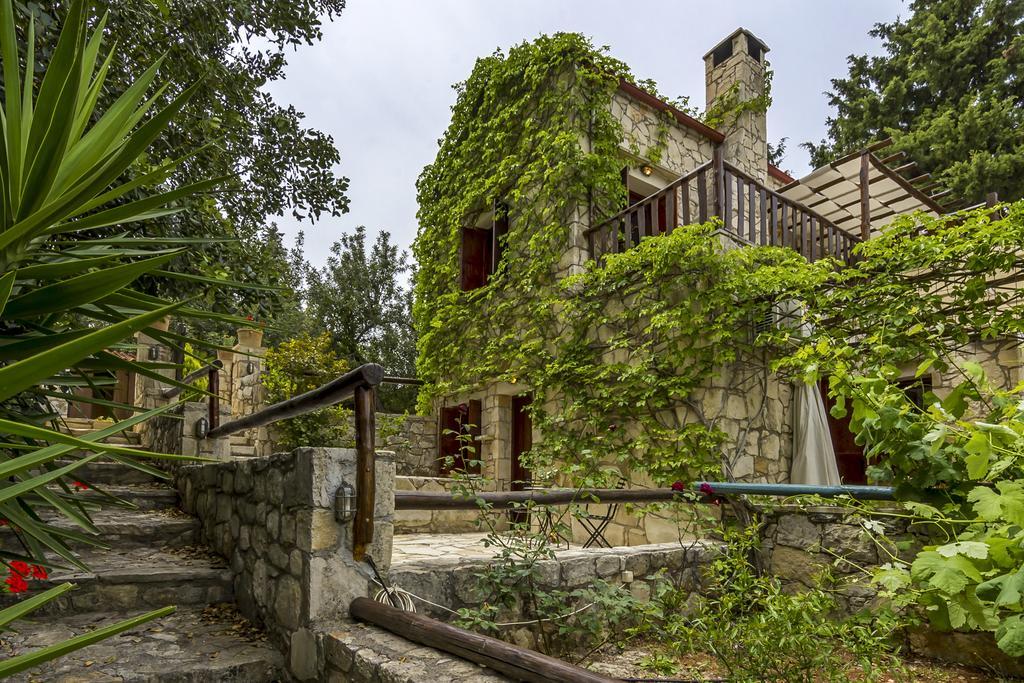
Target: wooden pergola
864	192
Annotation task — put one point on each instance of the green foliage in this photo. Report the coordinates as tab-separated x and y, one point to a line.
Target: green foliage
758	632
360	298
273	164
68	143
948	89
297	366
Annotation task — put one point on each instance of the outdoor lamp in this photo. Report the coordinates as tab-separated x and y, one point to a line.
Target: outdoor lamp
202	428
345	503
646	170
154	353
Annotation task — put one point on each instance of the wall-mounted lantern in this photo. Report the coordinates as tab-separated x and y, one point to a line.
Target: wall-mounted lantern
345	503
202	428
154	353
646	170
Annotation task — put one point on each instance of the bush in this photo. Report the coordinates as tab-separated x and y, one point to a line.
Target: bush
758	632
296	366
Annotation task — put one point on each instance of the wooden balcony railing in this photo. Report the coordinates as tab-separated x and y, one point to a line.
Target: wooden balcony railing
752	212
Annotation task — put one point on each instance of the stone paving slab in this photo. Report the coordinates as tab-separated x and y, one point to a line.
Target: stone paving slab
191	645
360	653
120	527
415	548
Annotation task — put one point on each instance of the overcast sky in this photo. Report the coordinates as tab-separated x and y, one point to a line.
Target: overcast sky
380	81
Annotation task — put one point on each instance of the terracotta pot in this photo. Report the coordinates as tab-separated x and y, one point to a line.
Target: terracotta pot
250	337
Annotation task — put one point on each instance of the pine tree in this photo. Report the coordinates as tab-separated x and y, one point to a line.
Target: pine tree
949	90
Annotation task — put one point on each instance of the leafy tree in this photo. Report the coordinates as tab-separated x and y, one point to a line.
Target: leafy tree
949	90
362	299
273	163
294	367
67	298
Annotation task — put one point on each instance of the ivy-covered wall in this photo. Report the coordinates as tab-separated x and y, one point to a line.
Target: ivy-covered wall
645	366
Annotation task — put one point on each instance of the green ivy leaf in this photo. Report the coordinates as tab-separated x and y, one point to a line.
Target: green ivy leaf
949	574
1010	636
973	549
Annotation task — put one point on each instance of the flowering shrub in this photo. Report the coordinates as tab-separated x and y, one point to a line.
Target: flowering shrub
21	573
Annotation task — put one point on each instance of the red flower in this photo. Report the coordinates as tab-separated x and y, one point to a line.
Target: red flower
3	522
706	489
16	584
678	486
19	567
39	572
79	486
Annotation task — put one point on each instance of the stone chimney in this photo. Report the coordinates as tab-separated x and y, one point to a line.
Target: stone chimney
739	61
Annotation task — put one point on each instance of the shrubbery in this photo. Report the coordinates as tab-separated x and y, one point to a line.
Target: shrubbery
294	367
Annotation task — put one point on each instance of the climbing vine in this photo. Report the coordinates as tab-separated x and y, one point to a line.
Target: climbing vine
613	354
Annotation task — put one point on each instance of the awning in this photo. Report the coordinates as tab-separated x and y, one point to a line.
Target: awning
833	191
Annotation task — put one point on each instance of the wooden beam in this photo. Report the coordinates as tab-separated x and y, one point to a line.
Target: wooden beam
893	157
920	178
865	196
503	500
905	167
516	662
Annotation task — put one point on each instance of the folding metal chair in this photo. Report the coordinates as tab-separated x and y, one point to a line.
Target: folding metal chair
595	524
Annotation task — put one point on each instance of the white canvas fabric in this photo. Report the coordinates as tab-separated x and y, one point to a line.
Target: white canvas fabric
814	459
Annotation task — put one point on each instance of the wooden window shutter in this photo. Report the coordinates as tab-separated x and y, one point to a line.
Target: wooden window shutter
474	424
476	257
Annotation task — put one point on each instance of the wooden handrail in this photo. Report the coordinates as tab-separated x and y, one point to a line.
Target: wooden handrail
500	500
359	384
332	393
193	376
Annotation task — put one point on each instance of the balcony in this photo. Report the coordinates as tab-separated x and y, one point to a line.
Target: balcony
749	211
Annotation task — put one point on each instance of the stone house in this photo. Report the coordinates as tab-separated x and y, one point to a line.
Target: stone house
698	173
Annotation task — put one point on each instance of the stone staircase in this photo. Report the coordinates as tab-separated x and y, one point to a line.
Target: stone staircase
153	561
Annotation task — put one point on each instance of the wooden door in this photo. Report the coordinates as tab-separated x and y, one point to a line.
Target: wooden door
849	456
522	440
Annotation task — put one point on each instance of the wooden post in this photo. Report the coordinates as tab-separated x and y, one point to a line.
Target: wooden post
213	386
513	661
366	484
991	199
718	164
865	196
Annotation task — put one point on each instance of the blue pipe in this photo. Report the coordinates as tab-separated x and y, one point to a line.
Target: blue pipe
785	490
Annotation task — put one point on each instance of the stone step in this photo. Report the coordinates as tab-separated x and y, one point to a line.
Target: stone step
122	439
139	578
243	451
120	528
110	472
153	496
193	645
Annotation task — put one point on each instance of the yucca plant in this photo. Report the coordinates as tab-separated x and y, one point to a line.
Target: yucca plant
69	176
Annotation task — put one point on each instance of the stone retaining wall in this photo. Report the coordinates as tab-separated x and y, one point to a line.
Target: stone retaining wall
453	582
799	543
273	518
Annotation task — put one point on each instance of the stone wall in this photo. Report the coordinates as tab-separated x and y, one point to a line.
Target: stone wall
273	518
414	446
646	129
454	582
